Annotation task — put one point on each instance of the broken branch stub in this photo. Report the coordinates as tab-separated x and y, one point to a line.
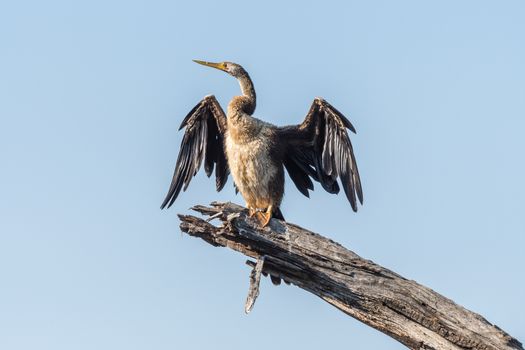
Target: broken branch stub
255	279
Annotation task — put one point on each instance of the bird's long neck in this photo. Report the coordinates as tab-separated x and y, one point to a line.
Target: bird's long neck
248	94
242	127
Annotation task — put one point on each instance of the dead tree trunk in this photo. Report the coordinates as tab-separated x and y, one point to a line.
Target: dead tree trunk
411	313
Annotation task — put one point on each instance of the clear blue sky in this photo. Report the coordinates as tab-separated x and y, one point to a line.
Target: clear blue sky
92	94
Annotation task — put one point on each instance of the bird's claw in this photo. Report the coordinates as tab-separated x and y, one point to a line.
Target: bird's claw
264	218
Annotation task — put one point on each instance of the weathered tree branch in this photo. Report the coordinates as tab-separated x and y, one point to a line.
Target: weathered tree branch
413	314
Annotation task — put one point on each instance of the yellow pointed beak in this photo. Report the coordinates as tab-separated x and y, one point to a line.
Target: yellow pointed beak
220	65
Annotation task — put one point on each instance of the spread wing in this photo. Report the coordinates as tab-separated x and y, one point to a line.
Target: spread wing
320	149
205	127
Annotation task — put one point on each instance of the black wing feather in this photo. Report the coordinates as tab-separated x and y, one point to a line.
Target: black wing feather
299	177
211	142
205	126
320	148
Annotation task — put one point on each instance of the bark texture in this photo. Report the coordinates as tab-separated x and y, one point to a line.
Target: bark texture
411	313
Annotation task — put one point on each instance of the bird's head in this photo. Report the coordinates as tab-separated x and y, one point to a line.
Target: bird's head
231	68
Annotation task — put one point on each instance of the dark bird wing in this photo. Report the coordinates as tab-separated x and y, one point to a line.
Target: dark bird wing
205	127
320	149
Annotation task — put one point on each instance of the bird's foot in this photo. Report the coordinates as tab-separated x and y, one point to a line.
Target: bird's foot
251	211
264	218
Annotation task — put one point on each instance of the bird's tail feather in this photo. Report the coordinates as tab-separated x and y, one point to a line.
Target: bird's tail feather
277	214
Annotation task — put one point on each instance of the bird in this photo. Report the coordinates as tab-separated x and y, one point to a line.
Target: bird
256	153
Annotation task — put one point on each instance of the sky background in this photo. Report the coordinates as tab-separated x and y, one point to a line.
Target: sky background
92	94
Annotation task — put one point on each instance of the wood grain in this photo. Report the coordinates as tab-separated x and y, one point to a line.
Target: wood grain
411	313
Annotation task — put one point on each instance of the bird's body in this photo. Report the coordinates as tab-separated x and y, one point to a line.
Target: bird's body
254	160
256	152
